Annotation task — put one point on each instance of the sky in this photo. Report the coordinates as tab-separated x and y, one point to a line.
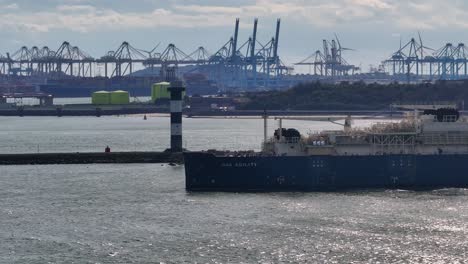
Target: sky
372	28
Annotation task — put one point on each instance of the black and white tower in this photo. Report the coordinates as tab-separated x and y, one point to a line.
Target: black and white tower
176	91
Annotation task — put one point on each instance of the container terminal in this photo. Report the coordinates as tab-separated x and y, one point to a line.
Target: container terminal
251	65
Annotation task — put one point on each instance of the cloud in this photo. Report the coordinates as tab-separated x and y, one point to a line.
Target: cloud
379	4
12	6
199	9
81	16
86	18
75	8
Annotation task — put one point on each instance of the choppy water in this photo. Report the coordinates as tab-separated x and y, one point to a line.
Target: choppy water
142	214
131	133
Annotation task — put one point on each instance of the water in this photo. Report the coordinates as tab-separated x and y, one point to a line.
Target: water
132	133
141	213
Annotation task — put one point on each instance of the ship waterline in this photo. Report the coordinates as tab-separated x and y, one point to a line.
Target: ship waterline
207	172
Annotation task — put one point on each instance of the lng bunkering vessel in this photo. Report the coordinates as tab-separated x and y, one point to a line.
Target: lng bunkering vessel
427	149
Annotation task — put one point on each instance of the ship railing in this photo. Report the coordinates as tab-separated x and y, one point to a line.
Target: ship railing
292	140
393	138
352	143
393	142
351	140
444	139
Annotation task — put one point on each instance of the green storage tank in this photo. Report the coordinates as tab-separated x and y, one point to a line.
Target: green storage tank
160	91
119	97
101	98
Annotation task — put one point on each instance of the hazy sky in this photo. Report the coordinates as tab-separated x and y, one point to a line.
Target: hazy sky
372	27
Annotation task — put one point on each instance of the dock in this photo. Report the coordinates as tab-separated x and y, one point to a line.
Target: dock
258	113
81	110
91	158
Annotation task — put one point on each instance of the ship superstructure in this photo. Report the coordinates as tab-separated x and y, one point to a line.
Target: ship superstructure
440	131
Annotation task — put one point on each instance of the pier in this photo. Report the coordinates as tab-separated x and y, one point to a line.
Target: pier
171	156
44	99
91	158
82	110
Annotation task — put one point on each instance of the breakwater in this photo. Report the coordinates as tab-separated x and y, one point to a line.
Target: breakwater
82	110
91	158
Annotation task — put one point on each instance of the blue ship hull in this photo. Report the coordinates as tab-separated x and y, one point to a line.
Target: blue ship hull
207	172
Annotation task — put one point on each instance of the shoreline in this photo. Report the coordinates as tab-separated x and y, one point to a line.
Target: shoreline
96	110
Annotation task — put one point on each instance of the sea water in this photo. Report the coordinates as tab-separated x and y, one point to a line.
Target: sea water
141	213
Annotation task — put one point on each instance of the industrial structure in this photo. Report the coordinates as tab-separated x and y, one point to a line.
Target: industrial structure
237	65
414	62
251	64
330	61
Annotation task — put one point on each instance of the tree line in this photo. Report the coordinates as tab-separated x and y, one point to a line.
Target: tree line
355	96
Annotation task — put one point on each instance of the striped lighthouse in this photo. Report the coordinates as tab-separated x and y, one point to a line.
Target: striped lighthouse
176	91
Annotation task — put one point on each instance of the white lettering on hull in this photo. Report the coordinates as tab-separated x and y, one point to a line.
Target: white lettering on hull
239	164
